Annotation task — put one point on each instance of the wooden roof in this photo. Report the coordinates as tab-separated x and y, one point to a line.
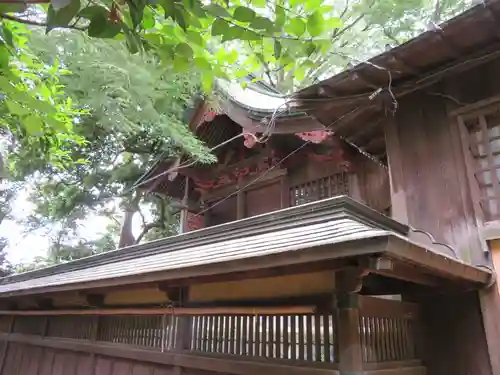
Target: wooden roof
331	229
346	102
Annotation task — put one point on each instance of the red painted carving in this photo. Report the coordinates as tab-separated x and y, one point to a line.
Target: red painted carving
193	222
209	116
249	140
315	136
231	177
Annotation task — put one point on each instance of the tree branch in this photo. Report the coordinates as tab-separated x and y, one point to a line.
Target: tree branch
35	23
145	231
390	36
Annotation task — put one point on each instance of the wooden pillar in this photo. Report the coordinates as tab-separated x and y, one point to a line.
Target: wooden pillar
183	332
399	210
347	283
490	309
349	339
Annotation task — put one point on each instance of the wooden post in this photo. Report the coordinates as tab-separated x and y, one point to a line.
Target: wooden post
93	337
347	283
349	339
490	308
396	174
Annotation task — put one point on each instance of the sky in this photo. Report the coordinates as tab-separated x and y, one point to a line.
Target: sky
24	247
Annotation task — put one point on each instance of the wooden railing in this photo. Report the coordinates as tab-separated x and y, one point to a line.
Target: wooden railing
388	334
321	188
291	337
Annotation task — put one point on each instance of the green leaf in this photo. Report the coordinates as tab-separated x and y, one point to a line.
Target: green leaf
310	48
232	57
181	17
7	35
101	28
63	16
277	49
93	11
250	35
202	64
262	23
4	57
185	50
333	23
217	11
181	64
219	27
148	21
132	40
315	24
312	4
299	74
195	38
232	33
309	64
280	17
244	14
13	7
296	27
259	3
136	9
207	82
59	4
16	109
168	7
33	125
42	106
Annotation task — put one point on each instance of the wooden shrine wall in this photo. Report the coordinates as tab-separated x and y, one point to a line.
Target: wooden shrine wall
428	176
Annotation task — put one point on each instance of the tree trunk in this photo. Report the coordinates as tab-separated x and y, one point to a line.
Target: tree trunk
126	236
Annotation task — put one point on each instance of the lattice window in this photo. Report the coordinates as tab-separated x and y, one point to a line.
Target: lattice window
331	186
150	331
484	145
288	337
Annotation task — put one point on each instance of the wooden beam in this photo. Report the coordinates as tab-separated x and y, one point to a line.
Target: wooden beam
178	311
396	171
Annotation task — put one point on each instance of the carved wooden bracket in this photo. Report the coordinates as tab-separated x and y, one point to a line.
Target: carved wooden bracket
95	300
177	294
350	280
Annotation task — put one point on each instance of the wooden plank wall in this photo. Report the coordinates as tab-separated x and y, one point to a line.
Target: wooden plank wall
432	175
32	360
454	335
430	191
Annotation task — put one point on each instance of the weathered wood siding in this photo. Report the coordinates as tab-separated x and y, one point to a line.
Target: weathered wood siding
430	181
454	335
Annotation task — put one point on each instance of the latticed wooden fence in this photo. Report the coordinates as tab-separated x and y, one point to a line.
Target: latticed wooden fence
388	332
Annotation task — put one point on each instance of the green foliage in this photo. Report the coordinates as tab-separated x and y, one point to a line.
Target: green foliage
134	109
181	32
334	37
37	119
124	93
